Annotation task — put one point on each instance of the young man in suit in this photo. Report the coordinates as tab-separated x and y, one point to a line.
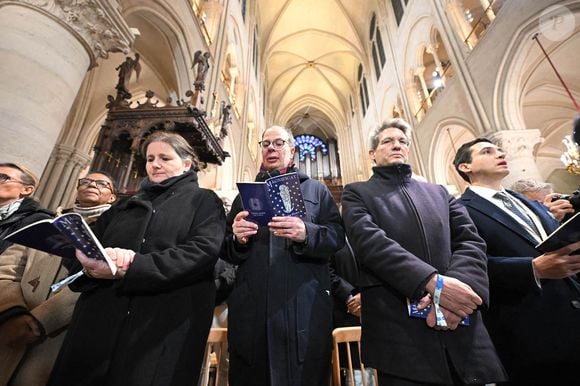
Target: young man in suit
534	316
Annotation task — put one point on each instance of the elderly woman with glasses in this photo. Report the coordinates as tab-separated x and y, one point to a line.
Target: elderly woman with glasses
95	194
148	324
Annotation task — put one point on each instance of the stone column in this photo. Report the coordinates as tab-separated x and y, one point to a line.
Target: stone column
420	73
59	182
519	146
432	50
46	49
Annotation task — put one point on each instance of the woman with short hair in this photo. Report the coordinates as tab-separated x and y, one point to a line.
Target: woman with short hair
148	324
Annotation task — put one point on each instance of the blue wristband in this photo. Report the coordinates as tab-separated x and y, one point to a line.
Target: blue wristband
436	298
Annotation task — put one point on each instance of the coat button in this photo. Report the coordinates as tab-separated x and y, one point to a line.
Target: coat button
143	242
575	304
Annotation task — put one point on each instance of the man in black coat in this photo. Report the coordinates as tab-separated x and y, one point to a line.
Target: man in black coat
415	243
280	310
534	316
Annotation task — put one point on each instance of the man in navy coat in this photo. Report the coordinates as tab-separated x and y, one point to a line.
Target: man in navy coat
414	242
534	314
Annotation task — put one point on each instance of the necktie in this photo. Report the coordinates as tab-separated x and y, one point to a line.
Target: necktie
512	207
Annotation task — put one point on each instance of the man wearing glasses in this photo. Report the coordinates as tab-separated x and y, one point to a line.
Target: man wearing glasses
280	310
33	320
416	245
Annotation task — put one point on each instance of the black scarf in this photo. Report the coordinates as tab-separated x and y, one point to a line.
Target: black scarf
264	174
150	190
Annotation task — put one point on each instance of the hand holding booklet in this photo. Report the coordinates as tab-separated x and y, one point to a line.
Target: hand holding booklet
566	234
415	312
277	196
61	236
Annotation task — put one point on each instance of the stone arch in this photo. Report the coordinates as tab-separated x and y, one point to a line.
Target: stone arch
449	135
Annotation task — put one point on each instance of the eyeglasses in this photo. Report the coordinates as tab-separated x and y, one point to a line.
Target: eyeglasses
4	178
100	184
276	144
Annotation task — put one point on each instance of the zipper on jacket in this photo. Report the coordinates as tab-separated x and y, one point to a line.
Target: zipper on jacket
416	215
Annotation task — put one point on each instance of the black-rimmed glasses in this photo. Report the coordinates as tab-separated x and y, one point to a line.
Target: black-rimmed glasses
276	144
6	178
100	184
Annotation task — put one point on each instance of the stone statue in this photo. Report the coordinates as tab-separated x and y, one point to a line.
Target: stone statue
201	65
125	72
226	119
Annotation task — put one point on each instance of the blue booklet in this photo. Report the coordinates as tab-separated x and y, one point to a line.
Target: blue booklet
61	236
277	196
414	312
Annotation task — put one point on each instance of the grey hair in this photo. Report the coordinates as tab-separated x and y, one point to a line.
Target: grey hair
396	123
529	185
26	175
290	139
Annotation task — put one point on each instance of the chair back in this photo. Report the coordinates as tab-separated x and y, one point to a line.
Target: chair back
215	358
348	336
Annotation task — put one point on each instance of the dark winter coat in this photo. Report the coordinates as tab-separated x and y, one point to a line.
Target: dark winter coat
149	328
28	212
402	232
280	311
536	330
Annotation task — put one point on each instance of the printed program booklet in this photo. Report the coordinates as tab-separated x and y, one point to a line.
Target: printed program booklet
61	236
277	196
567	233
414	312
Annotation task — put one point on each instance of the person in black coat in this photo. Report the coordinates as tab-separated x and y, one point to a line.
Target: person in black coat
412	241
17	207
280	311
535	298
148	324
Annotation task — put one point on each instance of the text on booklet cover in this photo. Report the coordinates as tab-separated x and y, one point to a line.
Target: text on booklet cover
277	196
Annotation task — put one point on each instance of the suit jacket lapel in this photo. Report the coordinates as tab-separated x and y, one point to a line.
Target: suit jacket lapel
486	208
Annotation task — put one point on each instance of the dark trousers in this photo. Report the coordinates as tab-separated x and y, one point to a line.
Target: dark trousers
391	380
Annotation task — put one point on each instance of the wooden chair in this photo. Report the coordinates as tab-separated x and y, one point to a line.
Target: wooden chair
216	353
346	336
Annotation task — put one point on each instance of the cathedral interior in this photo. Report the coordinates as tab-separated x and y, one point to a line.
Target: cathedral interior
85	81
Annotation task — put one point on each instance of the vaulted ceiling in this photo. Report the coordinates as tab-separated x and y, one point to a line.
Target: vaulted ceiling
311	52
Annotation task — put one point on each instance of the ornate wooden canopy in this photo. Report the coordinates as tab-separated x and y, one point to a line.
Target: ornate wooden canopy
118	147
